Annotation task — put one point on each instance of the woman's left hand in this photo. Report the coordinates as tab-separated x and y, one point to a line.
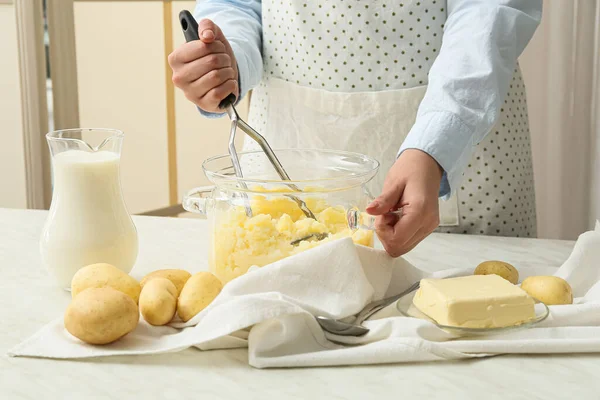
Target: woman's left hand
412	183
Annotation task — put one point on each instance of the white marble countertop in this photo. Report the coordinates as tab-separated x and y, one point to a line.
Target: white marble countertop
29	299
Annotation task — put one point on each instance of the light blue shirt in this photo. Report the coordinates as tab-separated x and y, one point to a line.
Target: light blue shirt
467	82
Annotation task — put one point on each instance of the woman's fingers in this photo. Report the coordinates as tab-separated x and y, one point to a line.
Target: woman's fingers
210	81
396	238
412	183
194	50
216	95
196	69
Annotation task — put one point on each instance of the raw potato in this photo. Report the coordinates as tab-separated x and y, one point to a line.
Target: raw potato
178	276
105	275
500	268
101	315
158	301
550	290
199	291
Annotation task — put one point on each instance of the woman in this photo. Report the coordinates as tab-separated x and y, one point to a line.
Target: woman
431	89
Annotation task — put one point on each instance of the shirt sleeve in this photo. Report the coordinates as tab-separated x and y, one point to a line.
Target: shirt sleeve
241	23
469	79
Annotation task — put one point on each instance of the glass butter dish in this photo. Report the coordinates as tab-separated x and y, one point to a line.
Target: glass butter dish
406	307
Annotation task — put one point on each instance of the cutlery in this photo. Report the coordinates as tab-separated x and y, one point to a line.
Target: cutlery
341	328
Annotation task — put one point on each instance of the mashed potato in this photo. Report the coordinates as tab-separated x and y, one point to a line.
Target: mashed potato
240	242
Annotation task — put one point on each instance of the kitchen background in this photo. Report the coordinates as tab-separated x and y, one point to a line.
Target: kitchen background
102	63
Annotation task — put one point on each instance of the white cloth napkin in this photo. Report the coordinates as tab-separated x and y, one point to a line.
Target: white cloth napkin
271	310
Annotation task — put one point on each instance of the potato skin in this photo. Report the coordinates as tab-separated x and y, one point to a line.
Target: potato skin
178	276
158	301
105	275
550	290
500	268
199	291
101	315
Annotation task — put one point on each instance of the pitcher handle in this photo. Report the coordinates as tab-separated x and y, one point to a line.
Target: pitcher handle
196	200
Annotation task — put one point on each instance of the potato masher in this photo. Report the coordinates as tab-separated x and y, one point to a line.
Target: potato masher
190	31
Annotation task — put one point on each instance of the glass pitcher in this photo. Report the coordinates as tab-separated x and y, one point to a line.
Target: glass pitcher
257	220
88	222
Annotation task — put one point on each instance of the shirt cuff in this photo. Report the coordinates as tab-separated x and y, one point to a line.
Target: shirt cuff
448	140
242	71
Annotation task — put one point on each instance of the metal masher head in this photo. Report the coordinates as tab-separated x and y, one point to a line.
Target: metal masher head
236	121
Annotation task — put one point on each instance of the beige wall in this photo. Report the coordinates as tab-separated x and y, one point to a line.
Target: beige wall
120	73
12	161
122	82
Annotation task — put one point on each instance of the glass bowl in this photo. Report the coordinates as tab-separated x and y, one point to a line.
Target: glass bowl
259	219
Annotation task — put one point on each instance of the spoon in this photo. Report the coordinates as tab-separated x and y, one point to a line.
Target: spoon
341	328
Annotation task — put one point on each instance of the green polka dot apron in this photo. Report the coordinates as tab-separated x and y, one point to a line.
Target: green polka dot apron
350	75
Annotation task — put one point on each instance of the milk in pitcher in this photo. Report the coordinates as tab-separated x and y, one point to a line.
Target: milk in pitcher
88	221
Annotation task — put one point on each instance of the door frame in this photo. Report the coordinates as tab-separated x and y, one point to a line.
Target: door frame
32	72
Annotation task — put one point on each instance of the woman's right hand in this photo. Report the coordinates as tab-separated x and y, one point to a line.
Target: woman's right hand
206	69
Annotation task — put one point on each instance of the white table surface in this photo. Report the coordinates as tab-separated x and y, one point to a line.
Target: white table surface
29	299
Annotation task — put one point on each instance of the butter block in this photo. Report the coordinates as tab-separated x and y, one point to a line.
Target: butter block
478	301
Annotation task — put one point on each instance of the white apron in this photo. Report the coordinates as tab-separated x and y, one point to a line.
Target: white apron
350	75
